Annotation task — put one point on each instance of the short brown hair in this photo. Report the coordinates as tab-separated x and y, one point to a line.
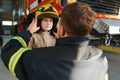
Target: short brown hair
78	19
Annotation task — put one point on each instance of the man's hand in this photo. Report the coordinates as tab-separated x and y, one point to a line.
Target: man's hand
33	26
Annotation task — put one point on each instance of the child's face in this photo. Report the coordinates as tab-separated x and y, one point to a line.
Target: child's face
46	24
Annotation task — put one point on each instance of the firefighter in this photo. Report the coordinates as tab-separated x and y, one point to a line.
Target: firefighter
107	39
70	59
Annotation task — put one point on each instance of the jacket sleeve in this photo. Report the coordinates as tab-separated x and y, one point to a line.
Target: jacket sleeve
12	52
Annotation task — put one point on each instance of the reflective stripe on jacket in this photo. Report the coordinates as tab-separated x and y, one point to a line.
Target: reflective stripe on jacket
16	56
12	52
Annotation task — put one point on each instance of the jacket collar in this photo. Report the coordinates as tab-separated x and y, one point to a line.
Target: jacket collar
78	41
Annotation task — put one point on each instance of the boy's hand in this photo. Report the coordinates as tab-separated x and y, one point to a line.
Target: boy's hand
33	26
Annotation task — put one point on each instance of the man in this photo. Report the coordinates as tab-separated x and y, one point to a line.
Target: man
70	59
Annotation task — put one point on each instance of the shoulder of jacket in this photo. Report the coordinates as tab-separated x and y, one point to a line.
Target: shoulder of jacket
94	50
86	52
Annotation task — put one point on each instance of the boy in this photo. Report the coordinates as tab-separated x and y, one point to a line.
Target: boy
47	21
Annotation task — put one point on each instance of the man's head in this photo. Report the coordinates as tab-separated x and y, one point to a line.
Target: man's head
77	19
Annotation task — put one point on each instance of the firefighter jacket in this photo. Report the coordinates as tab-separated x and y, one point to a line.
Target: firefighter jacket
41	39
70	59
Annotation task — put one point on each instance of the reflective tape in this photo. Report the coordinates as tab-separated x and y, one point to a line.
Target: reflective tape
106	77
21	40
16	56
14	59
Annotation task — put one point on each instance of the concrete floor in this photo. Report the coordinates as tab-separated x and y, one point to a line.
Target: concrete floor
114	68
114	65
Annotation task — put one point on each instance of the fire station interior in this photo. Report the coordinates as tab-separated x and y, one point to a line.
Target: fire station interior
106	29
10	15
105	34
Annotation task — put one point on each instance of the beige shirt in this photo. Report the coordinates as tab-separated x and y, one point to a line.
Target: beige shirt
41	39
